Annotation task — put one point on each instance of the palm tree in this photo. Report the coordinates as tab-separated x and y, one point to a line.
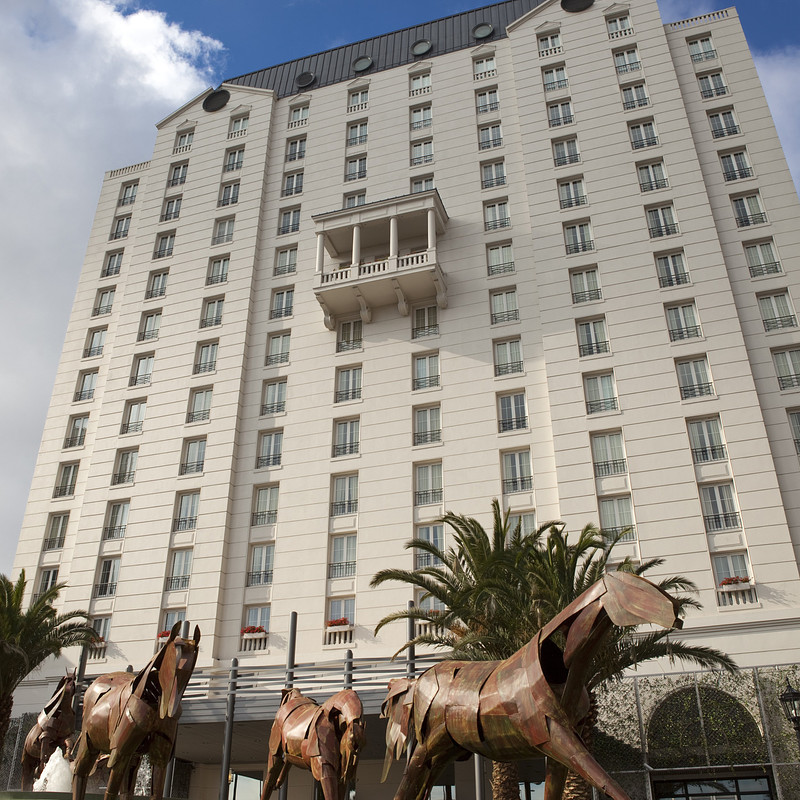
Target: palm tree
497	591
29	637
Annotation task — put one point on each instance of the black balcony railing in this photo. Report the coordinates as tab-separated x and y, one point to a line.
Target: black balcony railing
428	437
627	533
767	268
176	582
712	452
427	496
650	186
346	449
190	467
488	183
673	279
140	380
75	441
426	158
644	141
580	247
280	311
713	91
131	427
114	531
690	332
512	424
776	323
567	158
339	507
424	330
488	144
631	66
264	518
505	316
593	348
696	390
422	560
551	86
617	466
150	333
53	543
728	130
657	231
355	175
704	55
347	394
342	569
198	416
564	119
178	180
344	345
108	272
425	383
494	224
722	522
277	358
162	252
637	102
168	215
290	227
353	140
220	277
155	291
104	309
184	523
64	490
97	350
738	174
605	404
585	297
575	200
499	269
788	381
268	461
105	589
522	484
204	366
84	394
273	408
260	577
232	166
508	368
122	477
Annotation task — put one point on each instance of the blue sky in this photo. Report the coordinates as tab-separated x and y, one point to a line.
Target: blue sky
86	81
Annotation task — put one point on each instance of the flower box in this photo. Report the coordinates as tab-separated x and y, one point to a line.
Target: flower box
261	635
252	629
737	585
341	622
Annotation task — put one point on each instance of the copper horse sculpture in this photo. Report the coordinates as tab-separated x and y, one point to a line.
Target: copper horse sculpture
325	739
525	706
127	716
55	724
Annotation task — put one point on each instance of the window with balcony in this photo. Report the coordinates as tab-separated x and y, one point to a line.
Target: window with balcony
694	378
608	454
499	259
48	578
172	209
120	228
600	393
517	475
66	480
87	382
507	357
490	136
671	270
559	114
661	222
341	610
794	424
712	85
265	506
218	271
133	416
112	265
578	238
349	336
427	425
550	44
421	117
592	337
355	168
273	399
229	194
238	127
357	133
117	520
270	449
762	259
292	184
282	303
572	193
108	577
95	342
285	261
643	134
425	322
566	152
503	305
104	301
206	358
128	195
616	517
342	556
723	123
296	149
683	322
635	97
736	166
262	559
705	440
787	365
495	215
426	371
199	405
180	571
193	457
354	200
734	579
720	511
748	211
701	49
427	483
298	116
348	384
555	78
177	174
149	326
511	412
652	176
486	101
432	535
619	26
421	153
493	174
234	159
345	437
627	61
142	372
183	142
358	100
526	520
125	467
585	285
422	184
278	348
56	532
76	431
156	284
171	617
776	311
212	312
344	493
186	509
484	68
419	84
223	231
164	245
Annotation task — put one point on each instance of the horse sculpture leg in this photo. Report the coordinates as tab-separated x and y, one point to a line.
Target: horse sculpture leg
128	787
276	772
85	758
427	760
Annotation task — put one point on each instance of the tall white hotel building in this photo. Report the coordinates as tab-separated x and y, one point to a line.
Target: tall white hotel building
540	251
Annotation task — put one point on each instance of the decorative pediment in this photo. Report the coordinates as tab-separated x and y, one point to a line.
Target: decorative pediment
300	100
420	66
241	111
484	50
358	83
548	27
617	8
186	126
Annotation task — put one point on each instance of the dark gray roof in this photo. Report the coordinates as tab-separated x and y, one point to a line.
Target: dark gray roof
389	50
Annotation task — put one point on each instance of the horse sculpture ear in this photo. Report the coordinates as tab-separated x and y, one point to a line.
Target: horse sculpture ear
168	680
196	635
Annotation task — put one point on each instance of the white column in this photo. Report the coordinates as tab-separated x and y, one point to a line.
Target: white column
320	253
431	229
392	237
356	244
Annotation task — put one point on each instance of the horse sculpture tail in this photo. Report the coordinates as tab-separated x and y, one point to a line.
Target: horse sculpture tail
398	709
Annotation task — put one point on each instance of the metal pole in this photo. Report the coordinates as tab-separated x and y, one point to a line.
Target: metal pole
283	792
478	764
226	745
77	700
411	666
348	669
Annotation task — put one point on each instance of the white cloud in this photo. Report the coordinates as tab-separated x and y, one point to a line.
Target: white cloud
673	10
85	80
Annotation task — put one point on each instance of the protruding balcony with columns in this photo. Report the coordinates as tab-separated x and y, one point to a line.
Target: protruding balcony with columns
380	254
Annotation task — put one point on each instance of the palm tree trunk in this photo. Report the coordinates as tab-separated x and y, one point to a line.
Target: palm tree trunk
6	704
505	780
576	788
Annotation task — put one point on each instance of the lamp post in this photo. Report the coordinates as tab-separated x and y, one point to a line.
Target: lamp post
790	703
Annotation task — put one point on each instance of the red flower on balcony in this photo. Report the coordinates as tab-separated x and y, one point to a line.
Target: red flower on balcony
253	629
733	580
333	623
163	635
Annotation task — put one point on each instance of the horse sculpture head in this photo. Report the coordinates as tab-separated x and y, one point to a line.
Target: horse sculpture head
177	659
346	714
62	696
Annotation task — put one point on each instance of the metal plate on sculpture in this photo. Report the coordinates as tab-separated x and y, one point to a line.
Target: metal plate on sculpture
216	100
576	5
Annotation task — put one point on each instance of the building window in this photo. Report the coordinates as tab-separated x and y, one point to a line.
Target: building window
355	200
555	78
102	627
121	227
787	365
186	512
358	100
578	238
172	617
345	437
255	618
559	114
682	322
133	416
357	133
274	397
635	97
156	285
712	85
223	231
289	221
296	149
282	303
794	424
517	472
76	431
550	45
278	349
199	405
608	454
164	245
426	322
526	520
762	259
212	312
495	215
507	357
735	166
113	264
48	578
616	517
426	371
493	174
661	222
511	412
486	101
355	168
421	153
265	509
600	393
776	311
238	127
177	175
56	532
104	301
572	193
229	195
345	495
419	84
585	285
172	209
490	136
593	338
206	359
701	49
142	372
218	271
261	566
125	468
343	556
194	456
504	306
348	384
499	259
723	123
292	184
180	571
652	176
95	342
484	68
106	586
117	520
748	211
149	326
128	195
423	184
298	116
734	582
566	152
349	336
627	61
671	270
87	381
434	536
183	142
342	611
719	507
705	439
619	26
643	134
286	263
427	425
428	483
694	379
234	159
